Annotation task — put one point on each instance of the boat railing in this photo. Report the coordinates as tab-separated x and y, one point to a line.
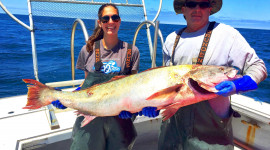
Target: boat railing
157	33
85	33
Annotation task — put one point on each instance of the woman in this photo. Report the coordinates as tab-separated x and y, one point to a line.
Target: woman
106	53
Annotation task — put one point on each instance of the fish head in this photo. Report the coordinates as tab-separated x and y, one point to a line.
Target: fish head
207	77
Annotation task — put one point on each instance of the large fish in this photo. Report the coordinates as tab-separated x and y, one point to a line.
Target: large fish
166	88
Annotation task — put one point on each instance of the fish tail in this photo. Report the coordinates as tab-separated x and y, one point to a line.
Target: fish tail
34	100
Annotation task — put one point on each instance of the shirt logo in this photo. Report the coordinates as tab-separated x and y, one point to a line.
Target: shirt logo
110	67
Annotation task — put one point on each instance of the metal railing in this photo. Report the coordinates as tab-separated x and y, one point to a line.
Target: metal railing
85	33
157	33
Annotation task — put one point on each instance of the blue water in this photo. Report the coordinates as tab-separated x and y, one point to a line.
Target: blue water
53	52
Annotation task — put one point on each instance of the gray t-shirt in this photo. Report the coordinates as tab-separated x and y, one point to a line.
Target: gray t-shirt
113	60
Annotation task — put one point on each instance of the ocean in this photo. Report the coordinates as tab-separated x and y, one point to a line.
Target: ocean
53	52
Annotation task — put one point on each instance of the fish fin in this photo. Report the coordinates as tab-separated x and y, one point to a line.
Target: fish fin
153	68
87	118
168	93
34	89
170	111
117	77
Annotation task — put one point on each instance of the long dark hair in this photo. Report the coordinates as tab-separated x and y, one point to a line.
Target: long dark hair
98	32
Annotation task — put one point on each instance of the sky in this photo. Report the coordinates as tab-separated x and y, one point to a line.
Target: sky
237	13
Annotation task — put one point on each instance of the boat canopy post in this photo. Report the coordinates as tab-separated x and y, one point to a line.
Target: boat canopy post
148	26
155	44
148	31
33	41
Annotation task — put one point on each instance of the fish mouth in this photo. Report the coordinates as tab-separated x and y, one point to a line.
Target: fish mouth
195	86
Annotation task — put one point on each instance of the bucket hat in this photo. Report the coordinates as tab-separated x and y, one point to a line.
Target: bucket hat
178	4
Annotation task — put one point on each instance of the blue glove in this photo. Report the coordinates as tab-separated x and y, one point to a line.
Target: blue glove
151	112
125	115
77	89
227	88
58	104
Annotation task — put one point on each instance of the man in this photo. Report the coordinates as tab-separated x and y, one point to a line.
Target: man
207	125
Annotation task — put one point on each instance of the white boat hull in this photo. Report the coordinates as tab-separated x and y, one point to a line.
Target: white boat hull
253	127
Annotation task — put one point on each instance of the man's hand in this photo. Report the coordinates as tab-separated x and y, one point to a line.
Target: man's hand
244	84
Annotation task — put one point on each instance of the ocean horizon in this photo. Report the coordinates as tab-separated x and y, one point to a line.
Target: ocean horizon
53	51
169	18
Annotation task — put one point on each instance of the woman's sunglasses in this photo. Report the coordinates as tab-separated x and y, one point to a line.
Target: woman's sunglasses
105	19
202	5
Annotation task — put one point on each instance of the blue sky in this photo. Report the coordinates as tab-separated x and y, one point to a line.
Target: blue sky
238	13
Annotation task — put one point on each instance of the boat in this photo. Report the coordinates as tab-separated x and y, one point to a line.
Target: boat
51	128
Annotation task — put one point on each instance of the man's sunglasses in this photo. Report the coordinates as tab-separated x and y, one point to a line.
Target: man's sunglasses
202	5
105	19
